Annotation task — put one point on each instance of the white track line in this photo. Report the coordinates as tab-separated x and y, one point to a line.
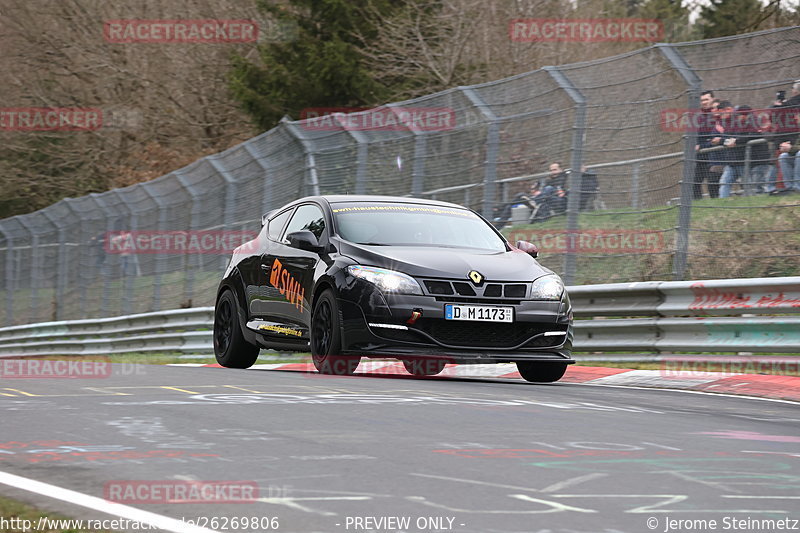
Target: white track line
99	504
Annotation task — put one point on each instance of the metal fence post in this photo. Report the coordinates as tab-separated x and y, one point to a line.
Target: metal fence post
266	198
492	149
9	278
693	83
361	154
576	164
420	152
33	268
161	258
188	271
747	182
61	274
81	248
104	269
230	199
312	182
126	303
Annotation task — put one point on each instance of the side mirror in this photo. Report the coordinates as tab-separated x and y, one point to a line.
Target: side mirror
529	248
304	240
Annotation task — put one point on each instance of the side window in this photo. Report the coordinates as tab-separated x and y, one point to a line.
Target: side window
309	217
277	223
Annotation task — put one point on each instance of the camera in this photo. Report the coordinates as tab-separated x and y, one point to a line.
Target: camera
781	96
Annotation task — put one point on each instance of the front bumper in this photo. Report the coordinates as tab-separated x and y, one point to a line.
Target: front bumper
374	324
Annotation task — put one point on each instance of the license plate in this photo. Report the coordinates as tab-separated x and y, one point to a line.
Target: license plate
479	313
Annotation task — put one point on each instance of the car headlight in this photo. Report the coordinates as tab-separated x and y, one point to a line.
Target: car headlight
548	287
386	280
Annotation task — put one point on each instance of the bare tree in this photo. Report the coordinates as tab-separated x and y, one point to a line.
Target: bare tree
163	104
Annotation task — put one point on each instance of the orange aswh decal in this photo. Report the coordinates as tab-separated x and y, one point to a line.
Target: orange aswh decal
289	287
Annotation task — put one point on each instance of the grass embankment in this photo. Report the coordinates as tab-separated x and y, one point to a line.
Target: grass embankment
17	513
735	237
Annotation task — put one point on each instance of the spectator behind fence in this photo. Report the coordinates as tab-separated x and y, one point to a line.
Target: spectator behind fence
557	178
705	132
717	160
589	188
502	212
555	189
537	198
741	128
787	141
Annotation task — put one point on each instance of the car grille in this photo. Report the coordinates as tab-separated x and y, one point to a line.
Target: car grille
474	334
459	300
516	291
491	335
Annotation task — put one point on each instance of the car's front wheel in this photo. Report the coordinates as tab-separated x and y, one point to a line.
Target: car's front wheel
541	372
326	338
230	347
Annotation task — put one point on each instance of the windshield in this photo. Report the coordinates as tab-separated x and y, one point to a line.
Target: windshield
406	224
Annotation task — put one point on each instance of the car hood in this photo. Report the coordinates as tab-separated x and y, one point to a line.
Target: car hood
449	263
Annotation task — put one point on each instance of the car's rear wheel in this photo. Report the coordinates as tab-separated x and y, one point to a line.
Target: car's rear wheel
541	372
326	338
230	347
424	367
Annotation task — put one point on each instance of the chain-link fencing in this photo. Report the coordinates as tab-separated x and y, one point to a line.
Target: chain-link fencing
631	214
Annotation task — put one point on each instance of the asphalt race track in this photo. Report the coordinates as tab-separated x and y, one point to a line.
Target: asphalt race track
396	453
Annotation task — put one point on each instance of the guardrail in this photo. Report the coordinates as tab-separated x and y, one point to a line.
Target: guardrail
175	330
740	315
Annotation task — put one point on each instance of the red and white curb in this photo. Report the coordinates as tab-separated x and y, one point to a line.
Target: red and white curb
763	386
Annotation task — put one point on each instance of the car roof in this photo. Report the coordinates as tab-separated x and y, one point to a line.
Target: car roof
350	198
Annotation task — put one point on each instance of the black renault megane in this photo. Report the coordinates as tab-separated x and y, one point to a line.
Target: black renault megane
423	281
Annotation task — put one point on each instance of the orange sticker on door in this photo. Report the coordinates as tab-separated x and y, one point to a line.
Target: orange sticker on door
290	288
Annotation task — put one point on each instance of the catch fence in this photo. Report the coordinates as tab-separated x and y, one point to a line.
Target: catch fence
607	114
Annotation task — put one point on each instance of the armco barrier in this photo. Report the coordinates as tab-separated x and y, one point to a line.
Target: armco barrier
679	298
175	330
739	315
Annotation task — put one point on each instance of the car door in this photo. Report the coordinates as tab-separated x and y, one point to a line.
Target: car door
254	277
290	271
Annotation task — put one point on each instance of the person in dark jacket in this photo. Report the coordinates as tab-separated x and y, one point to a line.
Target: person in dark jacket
589	187
744	128
722	114
787	139
705	132
557	178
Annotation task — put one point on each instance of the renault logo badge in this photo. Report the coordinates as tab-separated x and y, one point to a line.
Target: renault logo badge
476	277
